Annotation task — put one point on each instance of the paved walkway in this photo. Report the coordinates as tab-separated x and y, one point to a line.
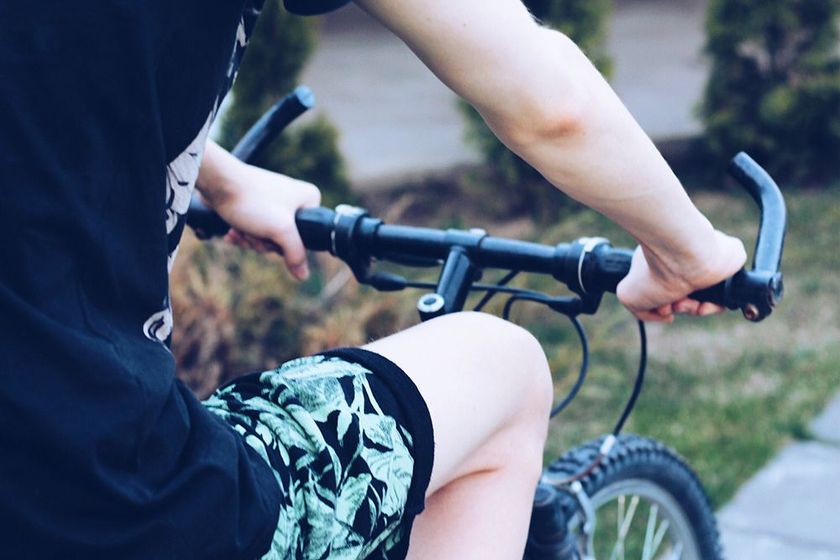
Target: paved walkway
790	510
397	119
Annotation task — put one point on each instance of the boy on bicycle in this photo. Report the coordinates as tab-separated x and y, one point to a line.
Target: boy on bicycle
105	107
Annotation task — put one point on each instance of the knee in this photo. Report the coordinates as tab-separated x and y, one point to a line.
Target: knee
504	369
536	397
522	367
526	381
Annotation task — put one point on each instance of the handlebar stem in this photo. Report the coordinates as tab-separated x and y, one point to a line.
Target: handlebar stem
456	277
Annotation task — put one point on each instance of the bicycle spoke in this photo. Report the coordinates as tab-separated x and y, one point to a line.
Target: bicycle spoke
647	551
624	522
654	535
620	519
631	513
660	534
618	547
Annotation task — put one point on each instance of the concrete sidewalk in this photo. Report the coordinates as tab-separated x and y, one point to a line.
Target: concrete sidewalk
790	510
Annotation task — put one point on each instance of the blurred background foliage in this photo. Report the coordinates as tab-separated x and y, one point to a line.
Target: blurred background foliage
584	21
774	86
239	312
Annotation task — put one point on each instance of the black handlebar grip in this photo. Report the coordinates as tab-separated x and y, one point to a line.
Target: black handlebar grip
758	291
316	228
611	265
273	121
715	294
773	222
204	221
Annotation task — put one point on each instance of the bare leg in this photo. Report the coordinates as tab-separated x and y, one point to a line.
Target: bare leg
487	385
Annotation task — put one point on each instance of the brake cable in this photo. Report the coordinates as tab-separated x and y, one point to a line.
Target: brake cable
640	379
584	368
610	440
492	292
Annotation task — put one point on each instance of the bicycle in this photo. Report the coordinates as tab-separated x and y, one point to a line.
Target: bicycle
615	475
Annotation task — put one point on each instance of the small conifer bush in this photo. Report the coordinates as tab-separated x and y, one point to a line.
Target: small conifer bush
279	47
774	87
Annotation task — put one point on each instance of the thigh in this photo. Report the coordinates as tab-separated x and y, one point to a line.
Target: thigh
479	375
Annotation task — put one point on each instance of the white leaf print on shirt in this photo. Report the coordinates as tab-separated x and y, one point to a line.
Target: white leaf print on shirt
241	35
181	175
159	326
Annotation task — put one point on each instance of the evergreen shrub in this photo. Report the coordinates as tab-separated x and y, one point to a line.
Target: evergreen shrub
279	48
774	88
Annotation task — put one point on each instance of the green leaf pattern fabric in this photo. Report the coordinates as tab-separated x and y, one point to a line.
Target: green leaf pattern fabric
344	468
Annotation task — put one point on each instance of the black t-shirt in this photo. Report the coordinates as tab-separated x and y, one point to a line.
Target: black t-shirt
104	110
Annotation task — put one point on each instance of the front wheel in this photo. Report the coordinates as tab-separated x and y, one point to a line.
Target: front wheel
645	501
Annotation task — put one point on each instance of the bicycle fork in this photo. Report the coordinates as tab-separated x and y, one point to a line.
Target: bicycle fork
549	536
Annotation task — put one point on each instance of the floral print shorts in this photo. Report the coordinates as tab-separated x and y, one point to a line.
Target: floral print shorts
350	441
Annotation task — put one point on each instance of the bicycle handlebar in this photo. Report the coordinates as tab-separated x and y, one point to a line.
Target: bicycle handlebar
588	266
